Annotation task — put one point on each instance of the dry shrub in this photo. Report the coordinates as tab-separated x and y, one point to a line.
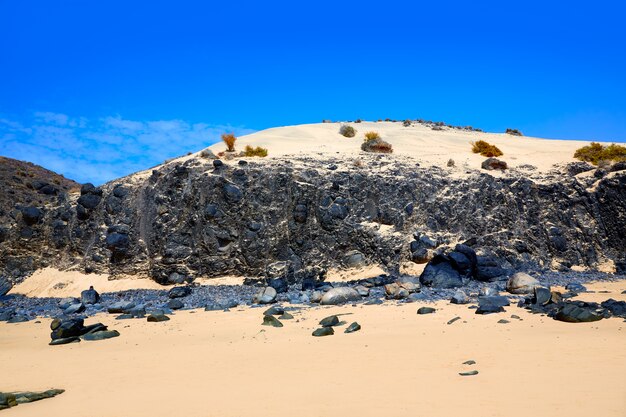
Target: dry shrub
347	131
513	132
376	145
596	152
258	151
486	149
371	136
229	139
406	123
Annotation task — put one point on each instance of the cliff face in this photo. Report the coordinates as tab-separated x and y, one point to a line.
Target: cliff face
190	218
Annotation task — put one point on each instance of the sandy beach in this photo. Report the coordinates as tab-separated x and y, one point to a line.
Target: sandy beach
402	364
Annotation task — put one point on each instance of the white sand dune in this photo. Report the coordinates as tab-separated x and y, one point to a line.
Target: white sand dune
417	141
400	364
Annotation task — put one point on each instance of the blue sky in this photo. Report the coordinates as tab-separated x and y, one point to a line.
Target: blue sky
96	90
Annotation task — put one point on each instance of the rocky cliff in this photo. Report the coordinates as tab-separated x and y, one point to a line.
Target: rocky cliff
200	217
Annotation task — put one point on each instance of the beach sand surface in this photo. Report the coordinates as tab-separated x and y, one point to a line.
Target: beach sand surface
400	364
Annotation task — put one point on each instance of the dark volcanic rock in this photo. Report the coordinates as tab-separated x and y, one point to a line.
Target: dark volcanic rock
329	321
271	321
89	296
353	327
179	292
573	313
425	310
323	331
101	335
493	163
441	273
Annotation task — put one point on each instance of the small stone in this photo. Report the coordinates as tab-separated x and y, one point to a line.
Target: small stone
503	321
459	297
426	310
329	321
468	373
453	320
470	362
124	317
64	341
353	327
274	311
271	321
323	331
285	316
515	316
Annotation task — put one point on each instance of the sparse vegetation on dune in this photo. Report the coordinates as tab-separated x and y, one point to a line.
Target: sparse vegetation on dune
229	139
371	136
485	149
258	151
406	123
347	131
373	143
513	132
597	154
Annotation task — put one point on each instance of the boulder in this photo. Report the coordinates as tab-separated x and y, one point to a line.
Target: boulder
487	269
74	309
521	283
396	292
441	273
65	328
64	340
542	296
175	304
89	296
487	305
274	311
266	295
279	284
575	287
354	259
341	295
572	313
155	318
31	215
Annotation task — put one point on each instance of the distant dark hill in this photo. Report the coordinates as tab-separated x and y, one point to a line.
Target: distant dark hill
26	184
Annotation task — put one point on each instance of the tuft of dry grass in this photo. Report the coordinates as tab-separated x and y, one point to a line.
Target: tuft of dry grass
376	145
347	131
596	153
486	149
371	136
513	132
258	151
229	139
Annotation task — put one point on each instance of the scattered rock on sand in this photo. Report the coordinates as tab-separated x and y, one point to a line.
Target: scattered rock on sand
175	304
12	399
426	310
285	316
353	327
575	287
266	295
493	163
64	340
329	321
470	362
271	321
274	311
469	373
542	296
323	331
155	318
453	320
503	321
459	297
395	292
121	307
494	304
101	335
341	295
521	283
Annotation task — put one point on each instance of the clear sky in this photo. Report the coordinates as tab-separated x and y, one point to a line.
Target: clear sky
98	89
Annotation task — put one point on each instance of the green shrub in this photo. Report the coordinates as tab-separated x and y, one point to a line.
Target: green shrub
595	153
371	136
258	151
486	149
347	131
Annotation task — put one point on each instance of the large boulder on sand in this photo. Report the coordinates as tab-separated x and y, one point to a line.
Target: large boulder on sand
340	295
521	283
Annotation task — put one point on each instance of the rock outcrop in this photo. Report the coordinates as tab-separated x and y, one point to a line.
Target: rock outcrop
192	218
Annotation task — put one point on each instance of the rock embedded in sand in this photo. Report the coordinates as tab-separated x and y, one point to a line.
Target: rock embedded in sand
175	304
155	318
468	373
271	321
12	399
266	295
426	310
353	327
341	295
329	321
522	283
101	335
64	340
491	164
453	320
572	313
274	311
493	304
323	331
